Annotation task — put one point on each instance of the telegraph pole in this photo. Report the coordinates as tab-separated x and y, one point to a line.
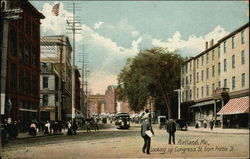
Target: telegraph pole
73	27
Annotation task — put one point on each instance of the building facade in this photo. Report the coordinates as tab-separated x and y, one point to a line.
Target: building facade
57	50
49	92
23	66
214	77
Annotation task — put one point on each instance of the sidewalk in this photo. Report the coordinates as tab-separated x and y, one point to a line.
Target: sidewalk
64	131
220	130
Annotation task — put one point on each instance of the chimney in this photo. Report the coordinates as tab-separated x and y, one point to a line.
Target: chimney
206	47
211	42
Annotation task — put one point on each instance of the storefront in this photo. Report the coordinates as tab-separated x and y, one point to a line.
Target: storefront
235	113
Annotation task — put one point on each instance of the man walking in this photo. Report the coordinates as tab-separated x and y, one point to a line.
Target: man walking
146	126
171	129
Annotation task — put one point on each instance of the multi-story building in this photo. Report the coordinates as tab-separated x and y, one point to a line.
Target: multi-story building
23	65
57	50
217	75
110	100
49	92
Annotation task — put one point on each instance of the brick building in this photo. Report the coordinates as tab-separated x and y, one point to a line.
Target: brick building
96	104
23	65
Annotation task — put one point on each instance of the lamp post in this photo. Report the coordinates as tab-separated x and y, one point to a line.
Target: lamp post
179	102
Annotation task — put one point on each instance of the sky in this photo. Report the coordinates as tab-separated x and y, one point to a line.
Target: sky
112	31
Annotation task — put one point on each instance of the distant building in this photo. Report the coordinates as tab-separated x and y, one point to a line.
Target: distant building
23	66
96	104
77	93
110	100
216	77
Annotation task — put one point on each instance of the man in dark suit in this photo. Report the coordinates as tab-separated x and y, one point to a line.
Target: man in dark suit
146	125
171	129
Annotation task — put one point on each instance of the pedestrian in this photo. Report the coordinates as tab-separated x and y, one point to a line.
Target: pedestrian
47	128
146	133
69	125
88	126
74	127
211	124
96	124
32	129
171	129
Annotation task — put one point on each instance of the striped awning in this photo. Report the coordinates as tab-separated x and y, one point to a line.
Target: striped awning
235	106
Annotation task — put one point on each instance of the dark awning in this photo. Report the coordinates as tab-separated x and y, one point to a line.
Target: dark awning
235	106
203	103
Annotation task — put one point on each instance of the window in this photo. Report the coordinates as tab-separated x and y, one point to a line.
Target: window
225	65
45	100
190	94
182	69
27	81
202	60
219	68
197	63
207	73
207	90
213	71
225	46
233	82
13	77
34	56
219	84
187	68
13	42
219	51
182	81
197	93
27	53
225	83
190	79
242	37
243	57
20	83
212	54
45	82
207	57
233	61
197	77
190	64
21	52
186	95
212	88
243	82
233	43
202	92
202	75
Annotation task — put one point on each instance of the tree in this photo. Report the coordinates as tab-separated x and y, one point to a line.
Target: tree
153	72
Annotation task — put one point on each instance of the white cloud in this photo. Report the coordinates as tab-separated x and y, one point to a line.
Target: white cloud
51	23
98	25
193	45
135	34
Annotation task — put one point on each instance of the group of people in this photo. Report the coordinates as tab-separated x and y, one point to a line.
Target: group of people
92	123
147	131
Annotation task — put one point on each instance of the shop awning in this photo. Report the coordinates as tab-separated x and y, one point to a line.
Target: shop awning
235	106
203	103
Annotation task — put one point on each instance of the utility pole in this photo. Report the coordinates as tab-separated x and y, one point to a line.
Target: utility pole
61	44
73	27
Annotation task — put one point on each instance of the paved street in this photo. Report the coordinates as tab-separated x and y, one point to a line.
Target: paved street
113	143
